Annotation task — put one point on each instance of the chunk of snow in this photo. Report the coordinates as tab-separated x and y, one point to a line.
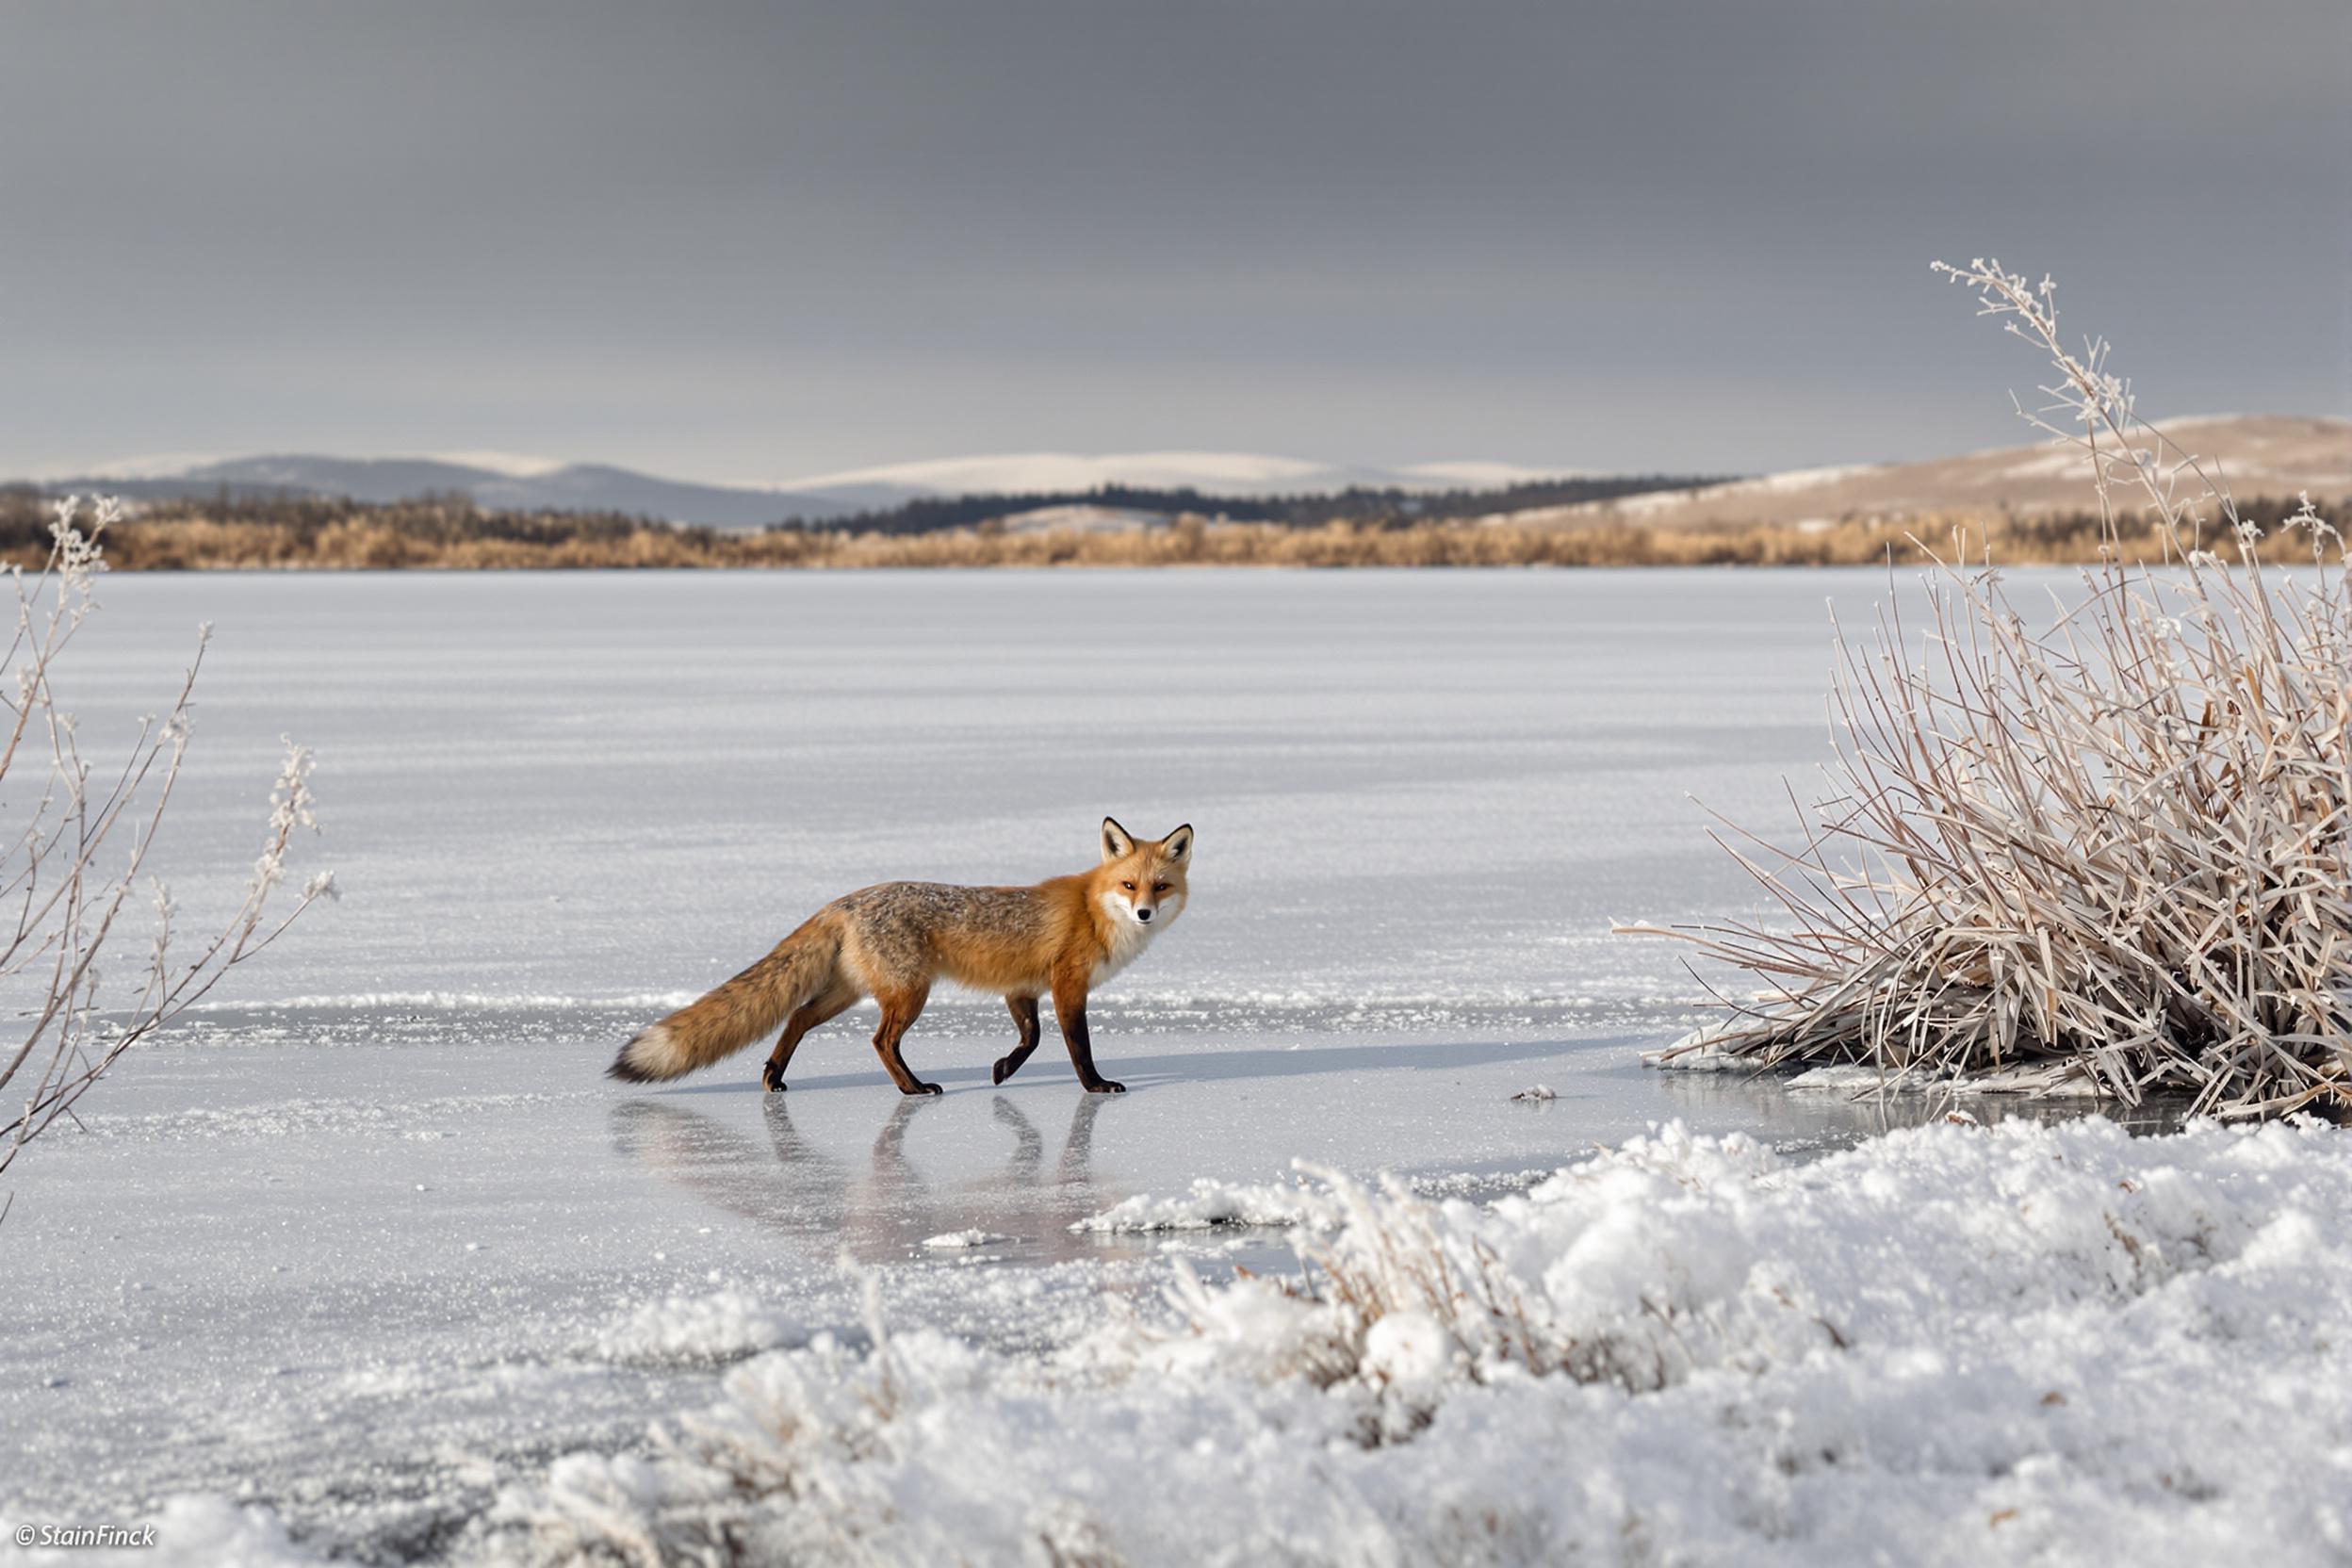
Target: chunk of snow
1408	1348
1209	1203
725	1324
952	1240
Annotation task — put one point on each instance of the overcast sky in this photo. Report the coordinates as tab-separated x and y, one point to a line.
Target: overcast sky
755	242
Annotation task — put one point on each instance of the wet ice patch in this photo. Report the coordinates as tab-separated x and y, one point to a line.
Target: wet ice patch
423	1121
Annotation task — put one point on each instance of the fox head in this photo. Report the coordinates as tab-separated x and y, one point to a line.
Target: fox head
1143	880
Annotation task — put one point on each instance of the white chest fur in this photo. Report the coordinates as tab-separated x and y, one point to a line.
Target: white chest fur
1126	938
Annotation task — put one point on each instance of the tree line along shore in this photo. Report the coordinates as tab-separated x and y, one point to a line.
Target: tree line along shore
230	533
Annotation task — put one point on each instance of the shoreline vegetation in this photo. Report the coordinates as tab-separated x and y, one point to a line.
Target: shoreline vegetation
2111	852
251	534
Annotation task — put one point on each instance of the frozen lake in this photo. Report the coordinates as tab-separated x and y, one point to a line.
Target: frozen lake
367	1240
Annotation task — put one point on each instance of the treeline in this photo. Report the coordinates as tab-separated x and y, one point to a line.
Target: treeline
236	529
931	515
450	533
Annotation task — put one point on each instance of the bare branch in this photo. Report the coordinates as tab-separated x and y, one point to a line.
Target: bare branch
69	874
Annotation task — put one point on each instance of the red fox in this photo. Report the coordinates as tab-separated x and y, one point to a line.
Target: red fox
1061	937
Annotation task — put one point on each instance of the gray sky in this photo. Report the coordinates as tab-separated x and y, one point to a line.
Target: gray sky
748	243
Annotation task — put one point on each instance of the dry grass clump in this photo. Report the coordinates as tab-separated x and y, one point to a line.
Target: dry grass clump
451	534
2115	853
1394	1259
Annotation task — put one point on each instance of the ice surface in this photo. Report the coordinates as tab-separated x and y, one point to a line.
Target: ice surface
373	1239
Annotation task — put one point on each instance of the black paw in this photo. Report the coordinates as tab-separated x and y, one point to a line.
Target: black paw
1003	1069
771	1078
1104	1085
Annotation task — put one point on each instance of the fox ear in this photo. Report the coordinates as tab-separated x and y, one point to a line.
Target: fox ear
1118	842
1178	845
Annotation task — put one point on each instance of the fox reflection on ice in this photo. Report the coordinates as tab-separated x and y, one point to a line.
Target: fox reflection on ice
998	1174
881	1210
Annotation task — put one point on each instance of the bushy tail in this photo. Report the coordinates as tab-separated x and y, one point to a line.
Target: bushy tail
755	1003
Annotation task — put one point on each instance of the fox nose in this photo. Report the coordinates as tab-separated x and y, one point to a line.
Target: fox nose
1144	915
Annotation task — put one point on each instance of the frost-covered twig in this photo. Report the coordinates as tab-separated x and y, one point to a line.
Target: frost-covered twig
68	868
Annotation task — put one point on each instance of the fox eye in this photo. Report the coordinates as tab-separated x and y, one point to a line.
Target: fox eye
1129	886
1159	887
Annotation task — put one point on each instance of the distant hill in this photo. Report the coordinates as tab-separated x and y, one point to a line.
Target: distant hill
1137	506
509	483
1214	474
515	486
2257	454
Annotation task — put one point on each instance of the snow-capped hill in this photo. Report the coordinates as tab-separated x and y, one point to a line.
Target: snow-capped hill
512	465
148	465
298	468
1028	473
2254	454
1211	473
1475	475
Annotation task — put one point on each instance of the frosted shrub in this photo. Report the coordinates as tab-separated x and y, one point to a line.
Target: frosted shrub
1404	1297
74	840
2113	855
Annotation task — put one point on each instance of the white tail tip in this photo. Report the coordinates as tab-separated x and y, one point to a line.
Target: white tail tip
651	1055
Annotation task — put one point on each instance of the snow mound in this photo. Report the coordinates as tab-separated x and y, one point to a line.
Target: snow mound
952	1240
725	1324
1950	1345
1208	1204
188	1532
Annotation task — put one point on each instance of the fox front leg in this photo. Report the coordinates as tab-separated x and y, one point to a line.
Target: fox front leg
1069	1011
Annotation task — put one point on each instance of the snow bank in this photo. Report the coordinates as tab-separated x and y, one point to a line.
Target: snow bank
190	1533
1950	1345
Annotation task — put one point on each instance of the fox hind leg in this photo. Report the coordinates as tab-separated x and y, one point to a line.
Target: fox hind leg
899	1011
1024	1010
806	1016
